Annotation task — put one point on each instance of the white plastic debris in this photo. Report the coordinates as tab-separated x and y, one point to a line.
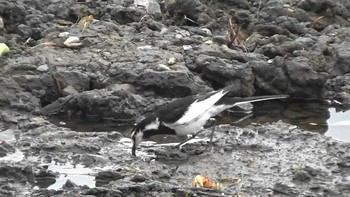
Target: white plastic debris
162	67
163	30
208	42
146	47
73	41
187	47
2	26
43	68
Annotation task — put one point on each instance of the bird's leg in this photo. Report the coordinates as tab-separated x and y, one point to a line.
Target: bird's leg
188	139
212	130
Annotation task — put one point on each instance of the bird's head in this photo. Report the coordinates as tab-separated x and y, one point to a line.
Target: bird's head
143	129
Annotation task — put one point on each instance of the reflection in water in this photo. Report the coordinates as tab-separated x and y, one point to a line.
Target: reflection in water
308	115
78	174
339	125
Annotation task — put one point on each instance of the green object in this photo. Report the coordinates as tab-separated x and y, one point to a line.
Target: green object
4	49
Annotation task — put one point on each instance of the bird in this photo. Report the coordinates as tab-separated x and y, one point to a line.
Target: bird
189	114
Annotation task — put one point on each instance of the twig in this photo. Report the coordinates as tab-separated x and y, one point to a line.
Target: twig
186	18
57	85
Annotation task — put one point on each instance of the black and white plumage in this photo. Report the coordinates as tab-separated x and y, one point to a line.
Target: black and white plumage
188	115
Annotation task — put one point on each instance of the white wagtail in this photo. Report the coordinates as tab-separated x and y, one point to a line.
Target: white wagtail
188	115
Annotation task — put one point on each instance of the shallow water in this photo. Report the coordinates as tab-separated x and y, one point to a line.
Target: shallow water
312	116
339	125
78	174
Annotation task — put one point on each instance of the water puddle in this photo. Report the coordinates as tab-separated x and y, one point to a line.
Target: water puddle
339	125
312	115
78	174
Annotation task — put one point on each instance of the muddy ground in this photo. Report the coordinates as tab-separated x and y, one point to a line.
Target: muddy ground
129	57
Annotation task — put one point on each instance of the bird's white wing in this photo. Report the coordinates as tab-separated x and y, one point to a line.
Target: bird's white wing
200	106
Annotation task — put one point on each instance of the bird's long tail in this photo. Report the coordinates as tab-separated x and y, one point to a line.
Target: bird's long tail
234	101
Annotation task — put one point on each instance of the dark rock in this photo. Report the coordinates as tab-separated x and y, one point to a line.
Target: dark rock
344	162
5	148
341	65
311	171
49	87
301	175
190	8
69	90
138	178
99	104
97	191
24	31
13	13
17	173
69	185
312	5
11	94
338	88
270	78
124	15
105	177
114	135
291	24
287	189
304	77
270	30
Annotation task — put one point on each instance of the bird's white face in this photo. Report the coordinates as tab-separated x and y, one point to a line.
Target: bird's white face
139	132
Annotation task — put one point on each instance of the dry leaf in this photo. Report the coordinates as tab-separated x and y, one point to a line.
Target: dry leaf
202	181
85	20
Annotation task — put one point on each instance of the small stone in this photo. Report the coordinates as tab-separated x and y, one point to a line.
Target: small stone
69	184
289	189
107	176
69	90
162	67
138	178
171	61
178	36
114	135
208	42
301	176
123	86
43	68
153	8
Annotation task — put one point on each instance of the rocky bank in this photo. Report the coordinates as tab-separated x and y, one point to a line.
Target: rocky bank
115	60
